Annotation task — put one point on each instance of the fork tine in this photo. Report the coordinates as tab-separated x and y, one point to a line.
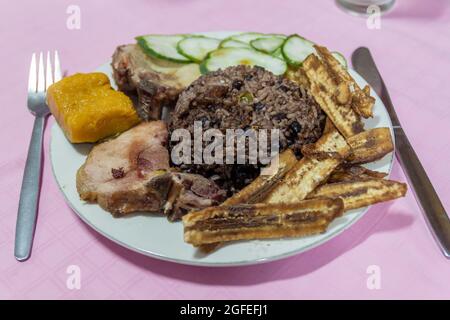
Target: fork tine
32	74
57	75
41	77
48	72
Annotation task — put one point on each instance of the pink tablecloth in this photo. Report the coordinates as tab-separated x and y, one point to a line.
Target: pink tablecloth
412	50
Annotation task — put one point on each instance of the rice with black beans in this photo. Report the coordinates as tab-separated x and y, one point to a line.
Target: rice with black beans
247	97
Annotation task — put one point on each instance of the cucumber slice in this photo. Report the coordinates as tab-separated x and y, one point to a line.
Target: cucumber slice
248	36
162	46
340	58
278	54
196	48
226	57
295	49
267	45
231	43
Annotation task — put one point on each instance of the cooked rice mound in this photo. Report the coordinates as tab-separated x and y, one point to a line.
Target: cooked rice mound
244	97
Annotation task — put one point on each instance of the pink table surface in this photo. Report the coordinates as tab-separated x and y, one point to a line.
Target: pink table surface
412	49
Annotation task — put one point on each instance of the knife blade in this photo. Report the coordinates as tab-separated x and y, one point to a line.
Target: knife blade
424	193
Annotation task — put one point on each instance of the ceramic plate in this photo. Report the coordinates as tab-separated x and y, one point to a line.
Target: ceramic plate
154	236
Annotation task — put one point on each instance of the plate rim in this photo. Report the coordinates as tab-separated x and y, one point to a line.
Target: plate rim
201	263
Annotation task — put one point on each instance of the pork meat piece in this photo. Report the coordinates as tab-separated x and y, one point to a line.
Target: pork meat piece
131	173
156	82
191	192
122	174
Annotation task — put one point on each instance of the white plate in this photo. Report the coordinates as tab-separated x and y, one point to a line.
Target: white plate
156	237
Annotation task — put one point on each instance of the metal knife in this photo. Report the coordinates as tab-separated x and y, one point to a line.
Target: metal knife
426	197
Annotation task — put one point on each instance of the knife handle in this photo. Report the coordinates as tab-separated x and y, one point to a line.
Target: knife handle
423	190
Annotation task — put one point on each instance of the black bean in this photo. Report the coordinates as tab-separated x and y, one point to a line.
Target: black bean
298	153
203	119
284	88
279	116
237	84
258	106
290	141
296	127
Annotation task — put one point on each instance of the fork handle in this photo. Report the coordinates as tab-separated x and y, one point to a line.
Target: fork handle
29	193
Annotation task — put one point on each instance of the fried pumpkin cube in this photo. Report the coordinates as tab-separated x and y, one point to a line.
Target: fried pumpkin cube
88	109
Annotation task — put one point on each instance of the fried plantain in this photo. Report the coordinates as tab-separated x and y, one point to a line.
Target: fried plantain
370	145
260	221
333	95
259	188
357	194
329	126
318	163
348	172
360	99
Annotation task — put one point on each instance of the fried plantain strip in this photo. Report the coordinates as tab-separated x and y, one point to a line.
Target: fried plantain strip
260	221
329	126
352	173
370	145
258	189
361	101
333	96
310	171
262	184
358	194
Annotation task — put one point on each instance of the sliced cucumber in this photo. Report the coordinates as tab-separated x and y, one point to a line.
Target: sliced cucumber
295	49
278	54
162	46
226	57
340	58
248	36
267	45
231	43
196	48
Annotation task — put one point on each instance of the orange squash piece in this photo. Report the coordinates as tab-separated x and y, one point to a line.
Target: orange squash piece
88	109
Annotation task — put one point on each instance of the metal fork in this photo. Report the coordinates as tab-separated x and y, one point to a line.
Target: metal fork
38	83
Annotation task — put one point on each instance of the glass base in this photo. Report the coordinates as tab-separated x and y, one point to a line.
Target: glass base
361	9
